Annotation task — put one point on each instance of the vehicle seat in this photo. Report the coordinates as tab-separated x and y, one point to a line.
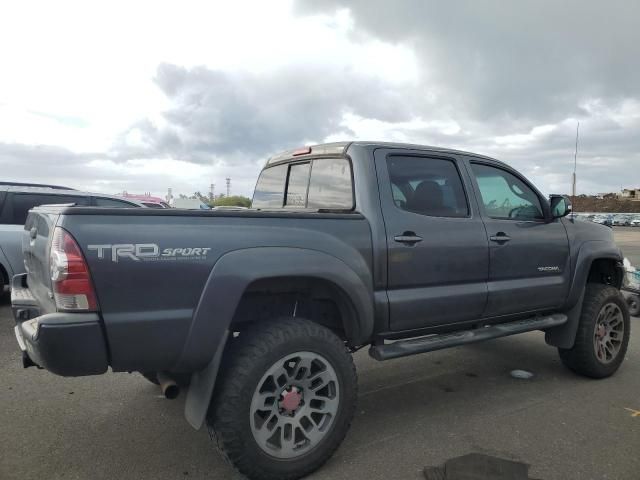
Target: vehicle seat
428	199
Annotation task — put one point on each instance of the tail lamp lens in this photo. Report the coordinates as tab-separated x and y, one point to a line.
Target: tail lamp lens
70	278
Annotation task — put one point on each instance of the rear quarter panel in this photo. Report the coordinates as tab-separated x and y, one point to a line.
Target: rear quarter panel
148	305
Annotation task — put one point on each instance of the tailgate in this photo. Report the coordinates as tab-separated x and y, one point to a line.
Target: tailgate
36	241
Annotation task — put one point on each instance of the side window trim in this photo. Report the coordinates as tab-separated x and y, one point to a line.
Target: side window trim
426	156
480	201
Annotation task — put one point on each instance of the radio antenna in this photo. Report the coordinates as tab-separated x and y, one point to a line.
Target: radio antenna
575	165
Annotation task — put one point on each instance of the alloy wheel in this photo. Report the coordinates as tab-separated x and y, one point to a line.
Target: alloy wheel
294	405
609	332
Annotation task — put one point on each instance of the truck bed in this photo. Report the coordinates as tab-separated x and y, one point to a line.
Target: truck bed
150	267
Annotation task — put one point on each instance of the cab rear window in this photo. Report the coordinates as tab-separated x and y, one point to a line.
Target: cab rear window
269	192
324	183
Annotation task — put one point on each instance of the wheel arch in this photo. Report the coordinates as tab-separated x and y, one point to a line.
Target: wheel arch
243	272
315	298
596	262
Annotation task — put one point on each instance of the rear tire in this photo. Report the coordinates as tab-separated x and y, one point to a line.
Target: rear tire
267	417
633	302
603	333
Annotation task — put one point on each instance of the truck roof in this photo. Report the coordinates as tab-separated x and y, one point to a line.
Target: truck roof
340	148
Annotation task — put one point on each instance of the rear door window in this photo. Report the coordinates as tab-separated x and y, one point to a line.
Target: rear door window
427	186
23	202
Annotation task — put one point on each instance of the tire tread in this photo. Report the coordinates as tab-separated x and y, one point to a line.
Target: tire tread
581	357
248	349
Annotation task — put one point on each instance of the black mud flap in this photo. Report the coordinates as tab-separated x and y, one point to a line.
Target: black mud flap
201	388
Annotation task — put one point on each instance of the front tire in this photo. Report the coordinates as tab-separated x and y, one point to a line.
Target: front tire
603	333
285	401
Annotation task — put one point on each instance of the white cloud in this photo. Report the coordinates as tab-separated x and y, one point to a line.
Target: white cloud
79	74
85	77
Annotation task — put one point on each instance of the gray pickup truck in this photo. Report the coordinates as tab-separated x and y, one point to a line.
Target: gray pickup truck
402	248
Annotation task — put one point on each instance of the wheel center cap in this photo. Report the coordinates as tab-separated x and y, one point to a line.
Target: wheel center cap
602	331
291	400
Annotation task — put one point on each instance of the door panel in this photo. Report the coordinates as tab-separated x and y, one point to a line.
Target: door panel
528	255
437	245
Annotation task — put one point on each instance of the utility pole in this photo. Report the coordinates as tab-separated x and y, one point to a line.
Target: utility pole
575	166
228	186
211	192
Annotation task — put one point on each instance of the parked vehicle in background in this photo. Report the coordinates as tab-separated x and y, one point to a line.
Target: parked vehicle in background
631	285
635	222
189	204
402	248
621	221
151	204
630	219
603	220
147	200
16	199
581	217
229	207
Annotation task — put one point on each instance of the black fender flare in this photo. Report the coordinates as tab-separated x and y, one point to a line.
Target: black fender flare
227	282
564	336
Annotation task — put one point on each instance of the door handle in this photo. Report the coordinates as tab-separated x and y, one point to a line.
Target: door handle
500	237
408	238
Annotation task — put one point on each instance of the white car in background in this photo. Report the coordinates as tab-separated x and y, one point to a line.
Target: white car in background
621	221
190	204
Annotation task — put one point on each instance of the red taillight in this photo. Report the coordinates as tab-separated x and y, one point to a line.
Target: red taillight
70	278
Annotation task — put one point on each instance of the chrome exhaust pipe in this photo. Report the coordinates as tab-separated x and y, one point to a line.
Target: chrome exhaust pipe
169	387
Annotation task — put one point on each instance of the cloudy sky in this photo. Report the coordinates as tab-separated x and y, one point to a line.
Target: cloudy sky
141	96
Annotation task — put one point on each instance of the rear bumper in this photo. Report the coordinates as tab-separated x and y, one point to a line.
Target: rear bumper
67	344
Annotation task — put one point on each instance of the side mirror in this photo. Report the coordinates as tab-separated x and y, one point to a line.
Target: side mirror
560	206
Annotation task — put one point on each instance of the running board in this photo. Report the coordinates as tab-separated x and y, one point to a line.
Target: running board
403	348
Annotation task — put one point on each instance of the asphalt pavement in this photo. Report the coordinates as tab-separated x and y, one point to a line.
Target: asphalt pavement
413	412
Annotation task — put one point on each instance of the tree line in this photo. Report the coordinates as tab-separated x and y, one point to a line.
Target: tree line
221	200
